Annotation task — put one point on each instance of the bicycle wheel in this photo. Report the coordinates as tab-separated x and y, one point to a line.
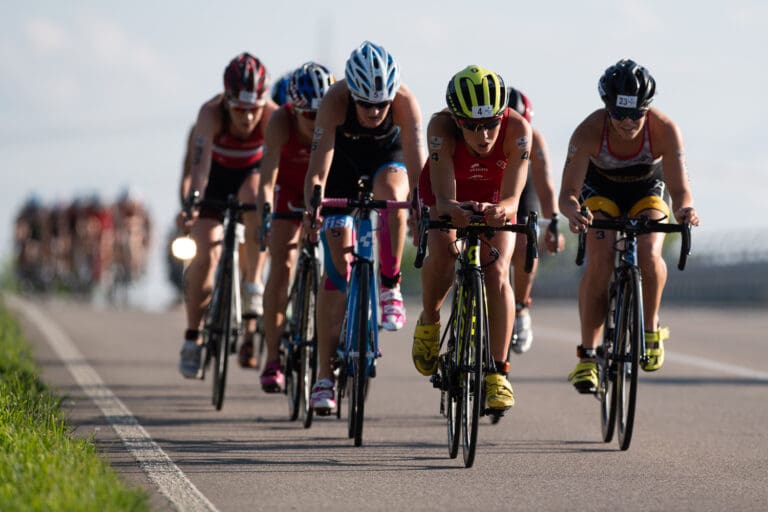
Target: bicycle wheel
606	368
221	332
451	375
471	368
361	335
292	350
307	355
628	342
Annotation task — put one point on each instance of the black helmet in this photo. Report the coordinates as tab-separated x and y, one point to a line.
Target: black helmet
626	86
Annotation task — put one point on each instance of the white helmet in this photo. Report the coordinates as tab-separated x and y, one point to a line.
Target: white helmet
372	74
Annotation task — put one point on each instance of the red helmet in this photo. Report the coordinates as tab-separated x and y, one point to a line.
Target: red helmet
520	103
245	79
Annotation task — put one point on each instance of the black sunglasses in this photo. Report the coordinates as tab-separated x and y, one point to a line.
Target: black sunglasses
473	126
633	114
367	105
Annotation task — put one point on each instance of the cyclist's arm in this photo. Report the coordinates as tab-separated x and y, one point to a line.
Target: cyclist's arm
675	172
542	181
586	136
330	115
407	114
517	148
441	140
276	136
209	123
186	170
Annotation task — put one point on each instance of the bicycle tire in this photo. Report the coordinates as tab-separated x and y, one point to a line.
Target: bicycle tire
222	328
606	368
471	369
630	330
292	350
360	362
451	374
308	356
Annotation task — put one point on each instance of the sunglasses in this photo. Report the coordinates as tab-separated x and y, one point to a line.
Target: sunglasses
633	114
367	105
473	126
245	107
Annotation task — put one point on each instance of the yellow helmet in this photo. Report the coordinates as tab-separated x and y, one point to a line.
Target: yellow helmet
475	93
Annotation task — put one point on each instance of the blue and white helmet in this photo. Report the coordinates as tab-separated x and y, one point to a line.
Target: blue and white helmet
308	85
372	73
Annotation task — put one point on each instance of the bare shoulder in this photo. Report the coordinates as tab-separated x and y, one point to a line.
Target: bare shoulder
209	118
590	130
662	125
441	124
333	108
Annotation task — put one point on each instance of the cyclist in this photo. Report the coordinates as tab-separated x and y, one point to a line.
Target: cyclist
132	233
478	162
279	91
538	188
227	150
286	157
368	124
614	167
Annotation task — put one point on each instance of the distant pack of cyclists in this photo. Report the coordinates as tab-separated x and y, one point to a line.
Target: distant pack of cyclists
79	245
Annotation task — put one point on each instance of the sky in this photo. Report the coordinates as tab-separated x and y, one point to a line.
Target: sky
96	96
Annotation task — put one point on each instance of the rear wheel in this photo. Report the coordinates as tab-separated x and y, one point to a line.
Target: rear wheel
630	330
606	368
471	370
453	393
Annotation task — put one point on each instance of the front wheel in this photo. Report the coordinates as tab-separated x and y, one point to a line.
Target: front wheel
471	375
361	334
220	334
629	341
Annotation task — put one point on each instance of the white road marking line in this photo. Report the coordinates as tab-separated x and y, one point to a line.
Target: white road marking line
567	336
160	469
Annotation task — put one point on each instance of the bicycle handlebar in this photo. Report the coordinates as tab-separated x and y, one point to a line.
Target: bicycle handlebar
477	224
638	226
231	203
374	204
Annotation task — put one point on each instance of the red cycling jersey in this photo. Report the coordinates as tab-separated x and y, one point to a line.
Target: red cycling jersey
294	161
478	178
234	153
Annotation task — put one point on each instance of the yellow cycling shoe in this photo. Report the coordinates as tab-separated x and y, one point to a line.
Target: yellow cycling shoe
426	345
498	392
654	349
584	377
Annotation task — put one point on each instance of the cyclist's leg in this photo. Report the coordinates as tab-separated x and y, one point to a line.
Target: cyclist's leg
522	284
390	181
654	272
256	258
501	304
198	282
337	245
437	276
283	243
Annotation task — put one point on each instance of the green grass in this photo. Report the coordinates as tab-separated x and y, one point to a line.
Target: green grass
42	465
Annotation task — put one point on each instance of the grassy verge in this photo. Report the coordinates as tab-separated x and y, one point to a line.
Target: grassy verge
42	466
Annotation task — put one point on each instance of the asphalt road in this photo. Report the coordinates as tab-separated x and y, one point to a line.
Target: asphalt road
700	439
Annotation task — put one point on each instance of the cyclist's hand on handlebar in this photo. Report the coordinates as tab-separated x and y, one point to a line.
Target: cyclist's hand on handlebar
461	213
578	222
549	241
495	215
185	221
687	214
